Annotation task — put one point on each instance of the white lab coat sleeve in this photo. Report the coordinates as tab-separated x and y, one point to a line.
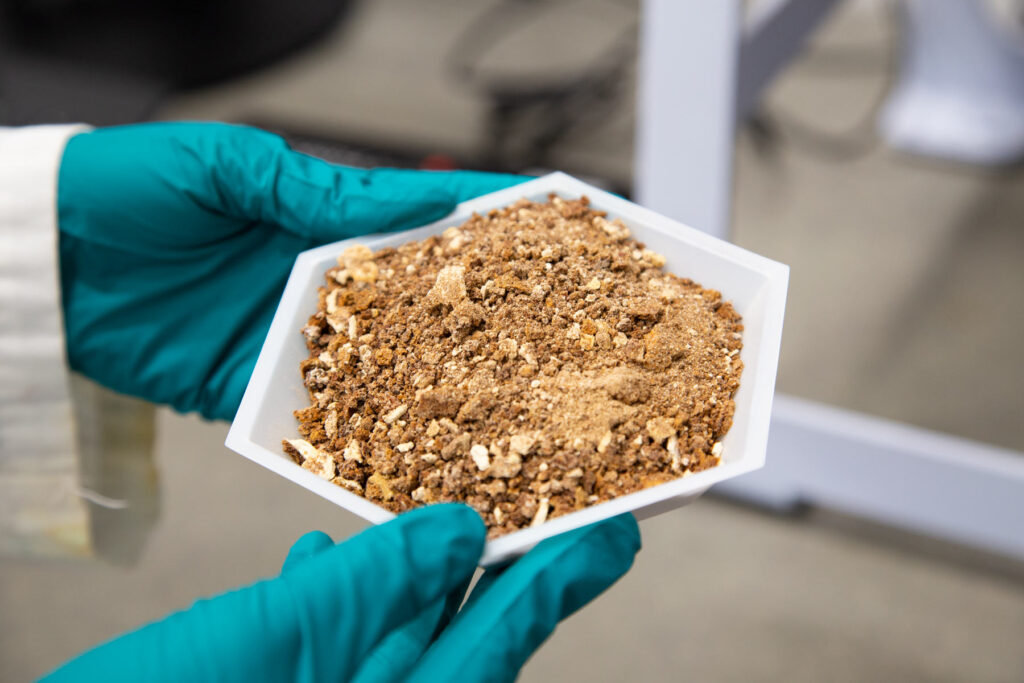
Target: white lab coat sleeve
77	475
40	509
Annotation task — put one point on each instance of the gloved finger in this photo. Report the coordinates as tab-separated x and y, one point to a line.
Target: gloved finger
361	590
396	655
464	185
259	178
318	621
491	575
307	546
498	630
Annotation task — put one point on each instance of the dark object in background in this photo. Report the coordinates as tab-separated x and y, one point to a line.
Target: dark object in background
528	116
110	61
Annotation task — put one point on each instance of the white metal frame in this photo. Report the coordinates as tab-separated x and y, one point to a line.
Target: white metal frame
703	66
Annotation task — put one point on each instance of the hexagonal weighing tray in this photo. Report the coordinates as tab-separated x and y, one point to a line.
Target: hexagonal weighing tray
755	285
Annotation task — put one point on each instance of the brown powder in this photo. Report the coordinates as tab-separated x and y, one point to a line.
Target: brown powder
530	362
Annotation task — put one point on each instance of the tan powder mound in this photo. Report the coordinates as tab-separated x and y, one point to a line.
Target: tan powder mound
531	362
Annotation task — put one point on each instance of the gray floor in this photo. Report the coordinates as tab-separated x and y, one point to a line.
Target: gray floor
901	305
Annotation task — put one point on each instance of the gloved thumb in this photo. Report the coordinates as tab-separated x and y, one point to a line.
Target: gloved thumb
269	182
512	611
306	547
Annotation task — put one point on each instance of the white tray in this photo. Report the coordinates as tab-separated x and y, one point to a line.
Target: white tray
755	285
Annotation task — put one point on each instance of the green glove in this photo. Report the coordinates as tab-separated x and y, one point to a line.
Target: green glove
375	609
176	240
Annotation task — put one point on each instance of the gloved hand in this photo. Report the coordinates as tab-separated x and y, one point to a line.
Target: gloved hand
377	608
176	240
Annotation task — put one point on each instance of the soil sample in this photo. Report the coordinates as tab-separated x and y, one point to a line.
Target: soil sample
530	362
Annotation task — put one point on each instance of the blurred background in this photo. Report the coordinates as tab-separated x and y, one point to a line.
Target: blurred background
875	150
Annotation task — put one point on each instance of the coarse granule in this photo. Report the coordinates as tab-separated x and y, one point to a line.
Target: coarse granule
530	362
